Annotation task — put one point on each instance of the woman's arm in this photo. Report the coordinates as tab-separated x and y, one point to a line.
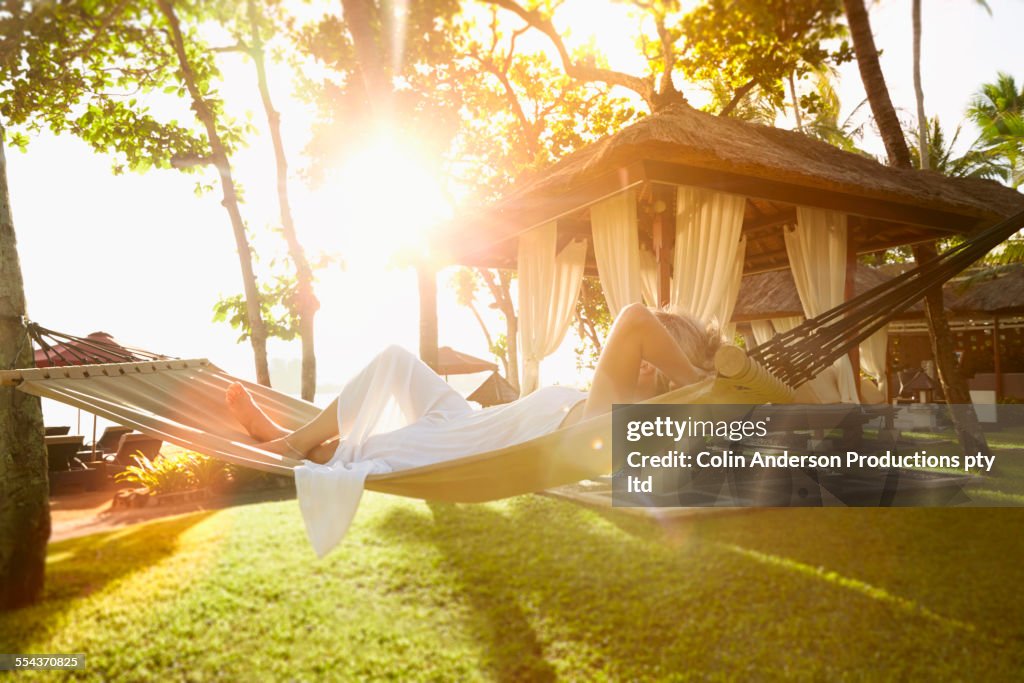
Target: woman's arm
636	336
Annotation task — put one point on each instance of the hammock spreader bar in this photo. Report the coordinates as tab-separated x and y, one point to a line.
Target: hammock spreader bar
60	348
800	354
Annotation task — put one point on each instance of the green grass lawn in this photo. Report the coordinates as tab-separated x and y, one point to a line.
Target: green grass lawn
537	589
1005	485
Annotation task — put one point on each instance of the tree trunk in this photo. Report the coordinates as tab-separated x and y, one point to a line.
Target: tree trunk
874	84
922	120
24	490
307	304
512	334
361	18
206	116
501	290
426	280
487	336
796	104
953	384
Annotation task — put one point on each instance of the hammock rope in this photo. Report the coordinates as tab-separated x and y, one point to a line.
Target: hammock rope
61	348
798	355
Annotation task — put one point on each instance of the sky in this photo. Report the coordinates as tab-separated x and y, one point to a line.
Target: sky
144	258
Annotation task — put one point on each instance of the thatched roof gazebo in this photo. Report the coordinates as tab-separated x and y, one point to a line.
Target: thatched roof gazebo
775	169
1000	296
493	391
452	362
773	294
675	208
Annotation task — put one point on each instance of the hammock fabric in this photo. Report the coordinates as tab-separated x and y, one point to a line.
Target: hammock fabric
182	402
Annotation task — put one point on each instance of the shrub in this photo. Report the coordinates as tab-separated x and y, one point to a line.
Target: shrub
172	473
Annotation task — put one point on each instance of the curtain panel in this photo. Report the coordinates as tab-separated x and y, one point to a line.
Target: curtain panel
816	246
613	222
709	252
873	354
549	285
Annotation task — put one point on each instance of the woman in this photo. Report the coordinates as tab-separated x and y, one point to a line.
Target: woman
647	352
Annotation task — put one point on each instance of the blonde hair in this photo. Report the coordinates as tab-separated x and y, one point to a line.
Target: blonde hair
698	340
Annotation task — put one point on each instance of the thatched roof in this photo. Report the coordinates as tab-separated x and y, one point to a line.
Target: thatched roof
773	294
776	169
683	135
452	362
1003	294
495	390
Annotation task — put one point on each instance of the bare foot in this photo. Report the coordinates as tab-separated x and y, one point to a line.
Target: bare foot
250	416
321	453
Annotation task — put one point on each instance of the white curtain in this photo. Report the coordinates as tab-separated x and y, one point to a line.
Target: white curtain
872	356
763	331
766	329
549	285
649	276
617	250
786	323
817	256
709	252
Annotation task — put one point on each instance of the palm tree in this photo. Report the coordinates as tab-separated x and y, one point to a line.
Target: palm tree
953	383
825	124
752	106
874	84
998	110
922	120
976	162
924	158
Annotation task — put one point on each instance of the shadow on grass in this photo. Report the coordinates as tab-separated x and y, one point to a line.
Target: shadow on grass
521	570
79	567
548	584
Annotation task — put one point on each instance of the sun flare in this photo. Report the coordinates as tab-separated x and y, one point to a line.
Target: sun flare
389	199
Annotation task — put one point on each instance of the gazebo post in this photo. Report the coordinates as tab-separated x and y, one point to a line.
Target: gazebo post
664	242
426	280
997	359
850	291
890	376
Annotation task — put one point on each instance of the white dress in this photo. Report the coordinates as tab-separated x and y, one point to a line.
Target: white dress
396	414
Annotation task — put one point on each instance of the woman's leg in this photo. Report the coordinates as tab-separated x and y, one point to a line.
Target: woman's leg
417	389
635	337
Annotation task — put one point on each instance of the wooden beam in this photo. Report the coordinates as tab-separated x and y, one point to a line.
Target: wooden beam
942	222
784	217
512	217
890	377
997	360
664	245
849	292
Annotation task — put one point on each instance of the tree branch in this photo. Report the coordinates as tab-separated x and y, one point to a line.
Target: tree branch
737	97
510	95
667	53
581	72
240	46
100	31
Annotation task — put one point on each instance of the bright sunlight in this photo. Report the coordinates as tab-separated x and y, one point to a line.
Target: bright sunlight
387	199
